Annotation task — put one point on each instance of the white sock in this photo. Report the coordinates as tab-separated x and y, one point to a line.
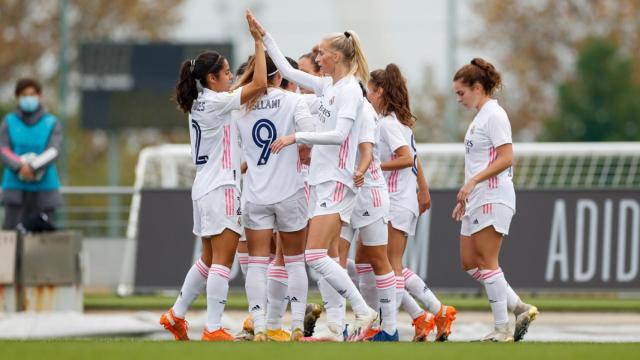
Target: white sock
410	305
416	287
399	291
337	277
386	288
496	287
256	288
367	284
194	283
333	303
243	259
351	270
277	285
217	291
298	289
513	300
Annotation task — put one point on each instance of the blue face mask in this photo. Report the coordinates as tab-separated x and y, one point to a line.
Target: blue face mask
29	104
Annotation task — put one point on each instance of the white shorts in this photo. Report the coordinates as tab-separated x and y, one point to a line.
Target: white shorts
373	234
372	203
333	197
219	209
403	219
496	215
287	215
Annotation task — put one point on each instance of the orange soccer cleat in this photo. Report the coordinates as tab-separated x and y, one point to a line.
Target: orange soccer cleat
178	327
423	325
444	318
217	335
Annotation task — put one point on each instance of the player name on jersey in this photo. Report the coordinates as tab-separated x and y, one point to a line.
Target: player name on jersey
267	104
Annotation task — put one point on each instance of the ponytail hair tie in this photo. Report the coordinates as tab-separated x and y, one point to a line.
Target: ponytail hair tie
193	65
347	34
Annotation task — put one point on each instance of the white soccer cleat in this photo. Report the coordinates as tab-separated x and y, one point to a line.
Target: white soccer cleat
362	323
501	333
332	334
525	314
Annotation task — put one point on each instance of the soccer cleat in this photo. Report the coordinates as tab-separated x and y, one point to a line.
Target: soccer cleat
501	333
362	323
260	337
332	334
370	333
423	325
383	336
311	315
247	324
524	317
297	334
217	335
443	320
178	327
279	335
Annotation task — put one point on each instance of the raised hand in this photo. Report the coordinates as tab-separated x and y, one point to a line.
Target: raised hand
255	23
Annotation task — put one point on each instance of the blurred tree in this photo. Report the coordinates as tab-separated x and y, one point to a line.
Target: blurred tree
600	103
29	31
537	41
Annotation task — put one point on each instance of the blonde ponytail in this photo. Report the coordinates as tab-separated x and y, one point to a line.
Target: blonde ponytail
349	45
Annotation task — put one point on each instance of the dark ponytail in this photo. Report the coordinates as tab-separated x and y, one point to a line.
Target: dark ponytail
196	70
395	95
480	71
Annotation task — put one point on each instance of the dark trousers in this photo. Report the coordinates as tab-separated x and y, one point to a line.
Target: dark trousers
29	208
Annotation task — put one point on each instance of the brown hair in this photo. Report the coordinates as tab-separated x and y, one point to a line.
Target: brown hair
25	83
312	58
247	76
395	96
480	71
348	44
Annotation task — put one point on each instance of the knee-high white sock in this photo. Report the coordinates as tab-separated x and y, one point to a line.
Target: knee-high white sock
410	305
217	291
386	288
298	289
496	287
277	285
399	291
367	285
416	287
513	300
337	277
256	288
352	271
333	303
194	283
243	259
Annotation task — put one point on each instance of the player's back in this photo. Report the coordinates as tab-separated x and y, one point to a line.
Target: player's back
271	177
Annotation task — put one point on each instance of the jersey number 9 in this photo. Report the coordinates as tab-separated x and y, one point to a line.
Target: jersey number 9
264	142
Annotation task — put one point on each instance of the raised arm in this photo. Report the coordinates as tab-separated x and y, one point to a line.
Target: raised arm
258	83
288	72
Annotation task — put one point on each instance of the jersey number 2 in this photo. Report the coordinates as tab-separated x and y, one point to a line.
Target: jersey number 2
414	168
200	159
264	143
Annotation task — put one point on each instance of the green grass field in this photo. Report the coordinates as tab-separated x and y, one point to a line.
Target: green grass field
142	350
238	301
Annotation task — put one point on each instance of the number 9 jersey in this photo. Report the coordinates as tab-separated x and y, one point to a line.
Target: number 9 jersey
214	144
271	177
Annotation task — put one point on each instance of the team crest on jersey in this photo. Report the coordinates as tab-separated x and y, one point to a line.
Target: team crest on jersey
332	100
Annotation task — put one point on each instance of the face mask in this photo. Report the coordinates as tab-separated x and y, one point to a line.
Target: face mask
29	104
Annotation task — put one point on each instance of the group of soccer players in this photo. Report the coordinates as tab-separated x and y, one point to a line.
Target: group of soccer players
329	160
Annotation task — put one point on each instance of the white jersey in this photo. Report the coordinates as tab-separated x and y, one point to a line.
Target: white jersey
214	142
312	101
370	132
270	177
402	183
489	129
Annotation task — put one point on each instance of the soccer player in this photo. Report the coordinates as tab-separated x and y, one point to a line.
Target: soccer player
333	155
273	191
487	201
403	170
215	192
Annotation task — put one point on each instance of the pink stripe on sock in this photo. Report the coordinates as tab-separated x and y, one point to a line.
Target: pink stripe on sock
407	273
495	272
293	259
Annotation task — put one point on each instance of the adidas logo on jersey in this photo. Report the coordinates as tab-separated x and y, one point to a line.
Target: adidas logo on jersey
475	222
324	205
366	213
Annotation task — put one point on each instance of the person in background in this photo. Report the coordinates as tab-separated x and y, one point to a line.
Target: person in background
30	140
